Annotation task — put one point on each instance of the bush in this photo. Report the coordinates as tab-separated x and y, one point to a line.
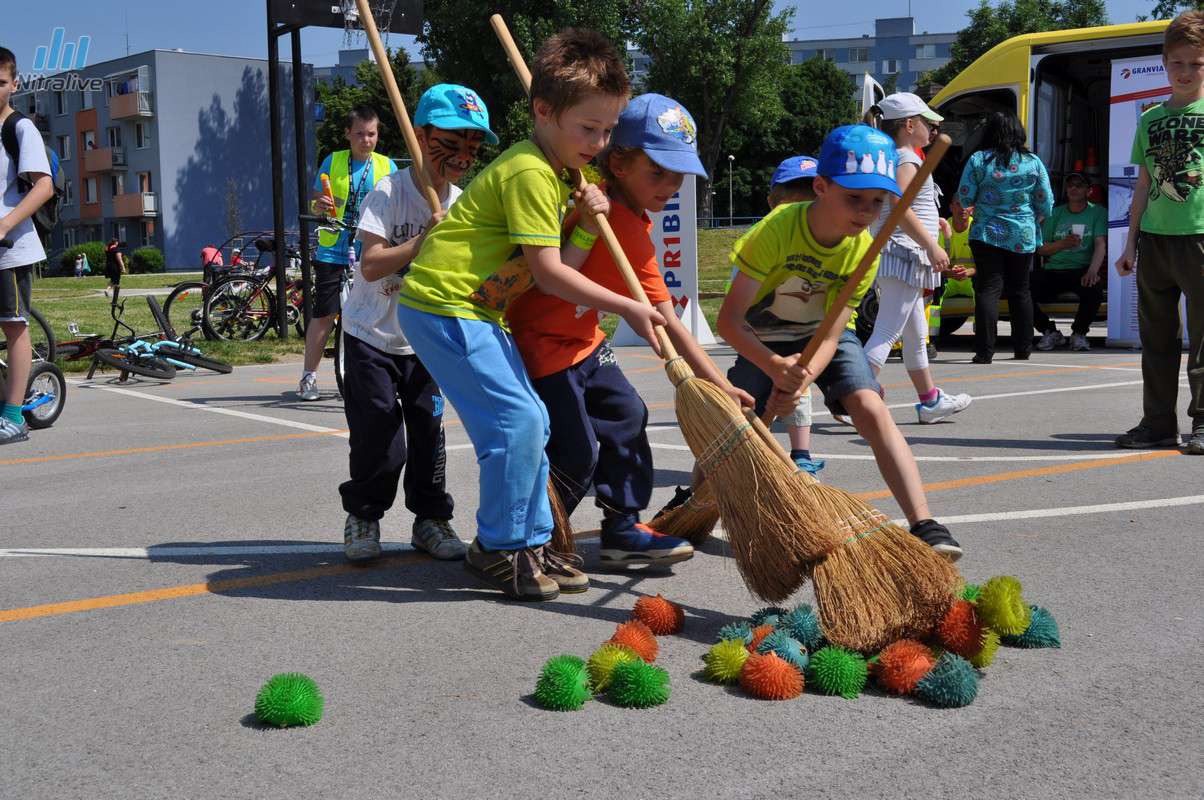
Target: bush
95	251
146	259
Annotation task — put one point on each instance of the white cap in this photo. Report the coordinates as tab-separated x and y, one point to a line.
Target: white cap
902	105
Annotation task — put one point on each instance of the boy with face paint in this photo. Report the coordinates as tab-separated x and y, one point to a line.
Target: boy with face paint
451	123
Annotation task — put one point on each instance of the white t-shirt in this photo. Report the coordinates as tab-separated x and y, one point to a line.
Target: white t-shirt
27	247
396	211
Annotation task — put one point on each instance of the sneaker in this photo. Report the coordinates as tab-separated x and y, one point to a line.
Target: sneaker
625	541
562	568
981	359
517	573
436	537
308	388
1142	438
680	497
1051	340
936	536
361	538
809	465
944	406
11	432
1079	342
932	353
1195	445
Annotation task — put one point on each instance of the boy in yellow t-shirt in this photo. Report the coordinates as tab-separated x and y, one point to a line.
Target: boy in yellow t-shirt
792	267
500	238
961	262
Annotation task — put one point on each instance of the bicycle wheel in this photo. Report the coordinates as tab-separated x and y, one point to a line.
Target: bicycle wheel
161	321
68	349
184	308
196	360
41	338
146	366
340	354
237	310
48	390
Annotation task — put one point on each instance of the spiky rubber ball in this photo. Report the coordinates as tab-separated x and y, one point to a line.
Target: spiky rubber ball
562	684
986	654
660	615
289	699
802	624
724	661
836	670
638	637
969	592
786	646
758	635
901	664
951	683
767	616
637	684
770	677
959	631
603	662
735	630
1042	631
1001	606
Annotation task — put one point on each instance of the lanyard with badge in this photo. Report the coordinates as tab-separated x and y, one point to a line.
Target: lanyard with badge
351	210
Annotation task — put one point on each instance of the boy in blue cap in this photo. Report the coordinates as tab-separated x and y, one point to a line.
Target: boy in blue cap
792	266
388	395
598	420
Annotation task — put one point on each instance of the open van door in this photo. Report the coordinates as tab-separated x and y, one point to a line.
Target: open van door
871	92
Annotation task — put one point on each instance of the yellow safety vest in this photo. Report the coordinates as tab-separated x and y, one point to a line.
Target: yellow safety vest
340	186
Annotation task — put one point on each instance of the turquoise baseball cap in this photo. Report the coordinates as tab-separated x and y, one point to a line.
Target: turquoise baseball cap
453	108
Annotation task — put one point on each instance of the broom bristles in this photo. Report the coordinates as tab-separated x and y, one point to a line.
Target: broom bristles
693	520
562	529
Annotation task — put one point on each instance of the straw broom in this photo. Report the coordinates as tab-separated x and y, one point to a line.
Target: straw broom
694	519
773	521
562	530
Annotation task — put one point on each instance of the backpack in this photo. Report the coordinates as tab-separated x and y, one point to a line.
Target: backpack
46	217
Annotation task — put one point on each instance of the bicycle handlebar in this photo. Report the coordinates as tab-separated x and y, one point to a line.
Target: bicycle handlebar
325	222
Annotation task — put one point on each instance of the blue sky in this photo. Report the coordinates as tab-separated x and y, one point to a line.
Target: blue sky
238	27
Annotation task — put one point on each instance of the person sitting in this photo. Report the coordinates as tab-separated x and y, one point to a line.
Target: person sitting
1071	264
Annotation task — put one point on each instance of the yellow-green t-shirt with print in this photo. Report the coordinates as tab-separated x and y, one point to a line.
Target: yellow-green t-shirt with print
799	278
960	255
1170	143
471	264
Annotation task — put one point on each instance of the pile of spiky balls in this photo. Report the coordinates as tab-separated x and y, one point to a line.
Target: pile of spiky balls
776	652
622	667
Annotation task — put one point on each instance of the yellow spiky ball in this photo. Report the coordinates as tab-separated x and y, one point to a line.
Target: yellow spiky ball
602	663
1001	606
724	661
986	654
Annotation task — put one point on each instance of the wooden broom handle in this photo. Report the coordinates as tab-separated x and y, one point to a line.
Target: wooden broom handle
399	106
608	234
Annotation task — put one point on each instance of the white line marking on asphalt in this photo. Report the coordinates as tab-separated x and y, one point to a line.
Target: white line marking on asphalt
965	459
1070	511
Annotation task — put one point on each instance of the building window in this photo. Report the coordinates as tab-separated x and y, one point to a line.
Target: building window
859	55
69	238
89	191
69	193
114	136
144	182
89	140
142	135
826	55
60	103
925	51
892	66
117	184
64	147
85	99
146	232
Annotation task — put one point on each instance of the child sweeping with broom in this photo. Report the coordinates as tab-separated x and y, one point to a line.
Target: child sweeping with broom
791	269
597	419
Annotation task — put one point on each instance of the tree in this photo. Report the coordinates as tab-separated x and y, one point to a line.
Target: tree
990	26
339	98
723	59
232	220
1169	9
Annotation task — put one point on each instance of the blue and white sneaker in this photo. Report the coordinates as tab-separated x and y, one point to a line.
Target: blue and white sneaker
624	540
13	432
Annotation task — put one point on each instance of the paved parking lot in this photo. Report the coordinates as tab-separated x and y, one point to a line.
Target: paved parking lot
168	547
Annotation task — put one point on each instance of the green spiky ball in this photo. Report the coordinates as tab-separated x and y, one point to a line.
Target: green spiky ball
562	684
289	699
1001	606
835	670
970	592
735	630
724	661
638	684
1042	631
602	663
952	683
802	624
990	644
767	616
787	648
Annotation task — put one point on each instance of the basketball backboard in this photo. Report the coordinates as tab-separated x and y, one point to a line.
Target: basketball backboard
405	16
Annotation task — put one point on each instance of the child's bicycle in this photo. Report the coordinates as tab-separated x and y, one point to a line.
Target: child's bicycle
47	388
176	350
119	352
348	278
241	307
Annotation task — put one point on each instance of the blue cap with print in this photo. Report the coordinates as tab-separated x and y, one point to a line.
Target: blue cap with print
859	157
663	129
453	108
794	168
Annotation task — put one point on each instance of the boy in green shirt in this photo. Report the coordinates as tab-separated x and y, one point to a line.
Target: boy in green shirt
1076	241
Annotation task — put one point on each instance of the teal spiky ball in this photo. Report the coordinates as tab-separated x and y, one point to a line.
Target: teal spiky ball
289	699
1001	606
952	683
786	646
970	592
735	630
1042	631
835	670
638	684
802	624
767	616
562	684
725	660
602	663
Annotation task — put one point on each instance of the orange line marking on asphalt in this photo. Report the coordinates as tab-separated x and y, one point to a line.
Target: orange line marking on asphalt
158	448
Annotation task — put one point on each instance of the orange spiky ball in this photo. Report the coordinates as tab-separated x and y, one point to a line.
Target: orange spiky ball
758	635
901	664
770	677
960	631
638	637
660	615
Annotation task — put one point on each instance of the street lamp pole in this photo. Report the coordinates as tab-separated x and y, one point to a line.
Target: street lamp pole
731	215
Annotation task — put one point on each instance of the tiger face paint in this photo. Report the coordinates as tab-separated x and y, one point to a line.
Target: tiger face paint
451	153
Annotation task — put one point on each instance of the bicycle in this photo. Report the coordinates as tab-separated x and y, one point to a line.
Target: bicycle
241	308
46	390
176	350
116	352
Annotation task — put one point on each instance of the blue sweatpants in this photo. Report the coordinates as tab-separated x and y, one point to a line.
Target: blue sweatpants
481	373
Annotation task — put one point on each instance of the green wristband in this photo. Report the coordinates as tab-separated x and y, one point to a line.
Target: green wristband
582	238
